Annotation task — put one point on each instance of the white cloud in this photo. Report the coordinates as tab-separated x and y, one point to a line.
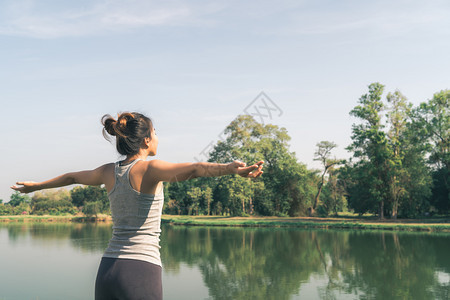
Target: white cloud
32	19
54	19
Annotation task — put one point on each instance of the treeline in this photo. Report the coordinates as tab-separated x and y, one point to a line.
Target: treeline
89	200
399	167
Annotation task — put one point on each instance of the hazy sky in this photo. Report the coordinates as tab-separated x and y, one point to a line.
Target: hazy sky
193	66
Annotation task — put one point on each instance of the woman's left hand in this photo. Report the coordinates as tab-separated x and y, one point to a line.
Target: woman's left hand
252	171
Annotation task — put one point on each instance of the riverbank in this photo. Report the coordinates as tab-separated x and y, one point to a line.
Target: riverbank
56	219
435	225
342	222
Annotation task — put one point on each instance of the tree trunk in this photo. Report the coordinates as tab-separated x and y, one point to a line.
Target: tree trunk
395	197
312	210
394	210
316	200
381	210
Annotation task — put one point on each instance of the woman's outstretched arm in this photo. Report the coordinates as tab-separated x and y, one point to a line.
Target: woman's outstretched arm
173	172
89	177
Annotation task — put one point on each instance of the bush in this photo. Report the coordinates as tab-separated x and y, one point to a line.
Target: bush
92	209
5	210
53	207
81	196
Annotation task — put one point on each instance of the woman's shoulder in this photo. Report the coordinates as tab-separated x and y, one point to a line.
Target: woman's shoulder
155	163
107	168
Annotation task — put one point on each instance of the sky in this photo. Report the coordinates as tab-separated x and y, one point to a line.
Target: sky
193	66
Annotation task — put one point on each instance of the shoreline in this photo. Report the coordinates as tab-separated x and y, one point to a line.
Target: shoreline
55	219
354	223
425	225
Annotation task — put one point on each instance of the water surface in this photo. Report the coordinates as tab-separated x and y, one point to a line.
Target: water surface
59	261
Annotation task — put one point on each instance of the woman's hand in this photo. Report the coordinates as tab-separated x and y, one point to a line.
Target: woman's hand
252	171
26	187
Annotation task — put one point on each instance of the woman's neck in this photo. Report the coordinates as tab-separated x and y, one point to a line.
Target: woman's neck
134	157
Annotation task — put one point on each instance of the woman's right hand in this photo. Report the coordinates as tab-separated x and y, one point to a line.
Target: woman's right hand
26	187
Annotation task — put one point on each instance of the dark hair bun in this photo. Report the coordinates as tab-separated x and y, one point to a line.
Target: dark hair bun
118	127
109	124
130	129
124	121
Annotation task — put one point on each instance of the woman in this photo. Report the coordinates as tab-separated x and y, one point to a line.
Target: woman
131	266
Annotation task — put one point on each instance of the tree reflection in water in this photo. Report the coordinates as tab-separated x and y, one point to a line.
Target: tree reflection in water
89	237
243	263
262	263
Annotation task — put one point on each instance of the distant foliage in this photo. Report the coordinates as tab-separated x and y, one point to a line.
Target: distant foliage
90	200
83	195
399	168
286	188
92	209
400	163
18	199
52	202
18	205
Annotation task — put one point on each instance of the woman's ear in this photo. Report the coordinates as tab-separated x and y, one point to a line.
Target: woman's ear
147	142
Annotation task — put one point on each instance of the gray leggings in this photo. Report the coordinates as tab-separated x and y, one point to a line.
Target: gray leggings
128	279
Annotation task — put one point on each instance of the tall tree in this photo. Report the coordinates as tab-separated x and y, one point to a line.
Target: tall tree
397	117
390	161
334	196
370	146
433	119
322	154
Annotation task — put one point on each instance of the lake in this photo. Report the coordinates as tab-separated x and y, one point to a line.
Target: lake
59	261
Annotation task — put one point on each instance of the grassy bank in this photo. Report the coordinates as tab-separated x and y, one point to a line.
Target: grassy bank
342	222
441	225
60	219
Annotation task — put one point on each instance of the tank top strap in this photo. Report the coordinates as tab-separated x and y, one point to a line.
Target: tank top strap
122	172
129	166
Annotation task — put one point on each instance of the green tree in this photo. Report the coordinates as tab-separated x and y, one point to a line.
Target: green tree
433	119
178	199
322	154
92	209
194	194
371	150
334	194
389	161
234	193
413	176
285	187
16	199
207	197
81	195
397	119
52	201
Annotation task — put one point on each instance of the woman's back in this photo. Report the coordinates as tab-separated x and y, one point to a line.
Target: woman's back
136	219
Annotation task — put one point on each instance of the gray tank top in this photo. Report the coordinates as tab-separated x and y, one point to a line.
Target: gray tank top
136	219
